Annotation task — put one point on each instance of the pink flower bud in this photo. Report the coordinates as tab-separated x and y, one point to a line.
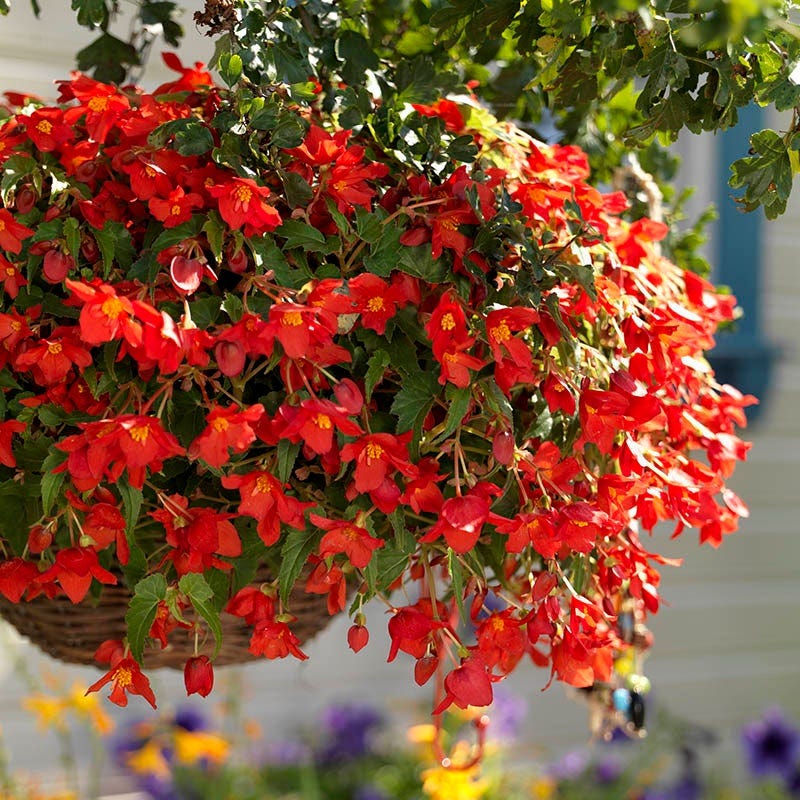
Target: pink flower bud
230	358
503	448
349	396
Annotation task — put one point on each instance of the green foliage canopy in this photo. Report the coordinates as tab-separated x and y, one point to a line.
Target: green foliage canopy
610	75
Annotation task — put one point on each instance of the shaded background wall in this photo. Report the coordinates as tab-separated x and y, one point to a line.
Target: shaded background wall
728	641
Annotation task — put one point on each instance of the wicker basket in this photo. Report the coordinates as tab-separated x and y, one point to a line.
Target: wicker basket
72	632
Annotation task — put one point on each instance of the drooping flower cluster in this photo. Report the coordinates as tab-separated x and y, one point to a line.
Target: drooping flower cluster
235	335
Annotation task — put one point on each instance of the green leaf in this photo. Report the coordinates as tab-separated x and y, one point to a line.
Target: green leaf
287	454
147	594
298	192
52	483
230	67
458	401
412	403
370	225
190	136
265	119
205	311
353	48
766	176
419	261
300	234
108	58
131	502
384	254
269	256
72	236
169	237
215	233
386	565
288	132
201	596
296	549
305	91
232	305
404	539
376	367
90	12
114	242
456	571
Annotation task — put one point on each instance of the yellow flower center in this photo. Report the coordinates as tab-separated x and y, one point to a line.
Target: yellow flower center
375	304
139	433
448	223
15	326
11	272
44	126
323	421
350	533
220	424
263	485
175	210
293	318
123	677
98	104
500	333
448	322
54	347
150	171
243	194
2	225
112	307
374	451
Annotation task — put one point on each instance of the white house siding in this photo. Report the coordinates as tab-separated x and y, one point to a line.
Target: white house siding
727	644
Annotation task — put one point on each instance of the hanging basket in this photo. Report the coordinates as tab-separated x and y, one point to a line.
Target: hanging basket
71	633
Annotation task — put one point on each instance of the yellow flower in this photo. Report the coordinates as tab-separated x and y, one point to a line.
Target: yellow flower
49	711
440	783
193	746
149	761
88	706
421	734
543	789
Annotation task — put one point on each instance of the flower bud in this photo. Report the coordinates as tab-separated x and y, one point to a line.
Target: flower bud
186	274
503	448
230	358
424	668
25	199
357	637
39	539
198	676
349	396
56	266
236	260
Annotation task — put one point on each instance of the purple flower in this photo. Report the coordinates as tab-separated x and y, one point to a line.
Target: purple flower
793	782
506	714
607	770
349	728
771	744
369	793
569	766
286	753
190	719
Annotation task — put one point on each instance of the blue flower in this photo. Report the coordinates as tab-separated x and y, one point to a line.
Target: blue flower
771	744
